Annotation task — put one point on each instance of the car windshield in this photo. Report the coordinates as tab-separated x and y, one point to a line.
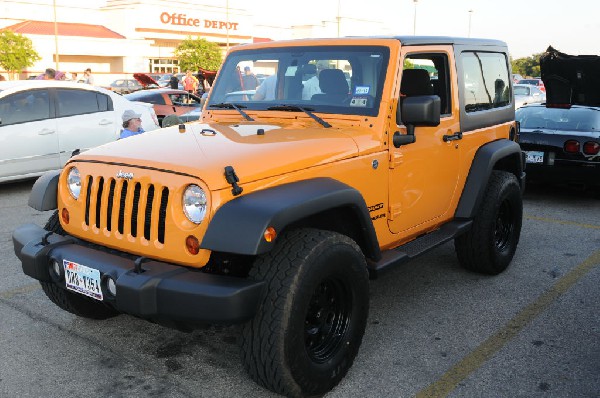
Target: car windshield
573	119
520	90
325	79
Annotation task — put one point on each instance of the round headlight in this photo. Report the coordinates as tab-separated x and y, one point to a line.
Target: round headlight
74	182
194	204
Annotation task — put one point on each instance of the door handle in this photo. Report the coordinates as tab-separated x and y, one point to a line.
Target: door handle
46	132
452	137
104	122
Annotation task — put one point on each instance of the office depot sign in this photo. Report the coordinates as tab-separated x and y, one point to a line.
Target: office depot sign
183	20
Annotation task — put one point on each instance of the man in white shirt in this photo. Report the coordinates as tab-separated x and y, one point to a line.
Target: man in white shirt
311	86
266	91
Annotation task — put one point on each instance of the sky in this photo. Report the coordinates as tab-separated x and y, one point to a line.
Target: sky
527	26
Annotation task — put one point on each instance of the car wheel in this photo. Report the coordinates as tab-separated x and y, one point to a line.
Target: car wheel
313	313
489	246
72	302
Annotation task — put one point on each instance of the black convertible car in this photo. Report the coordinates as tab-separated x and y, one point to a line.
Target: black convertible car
561	144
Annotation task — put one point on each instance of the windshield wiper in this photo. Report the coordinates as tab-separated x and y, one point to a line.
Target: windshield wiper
228	105
296	108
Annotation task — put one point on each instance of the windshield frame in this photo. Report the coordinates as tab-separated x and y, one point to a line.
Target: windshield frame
293	58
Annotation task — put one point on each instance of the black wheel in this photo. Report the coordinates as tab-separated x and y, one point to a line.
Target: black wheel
72	302
491	244
313	313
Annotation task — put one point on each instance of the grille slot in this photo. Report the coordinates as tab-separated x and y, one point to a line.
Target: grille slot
143	199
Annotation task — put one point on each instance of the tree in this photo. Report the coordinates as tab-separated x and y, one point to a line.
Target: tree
529	66
198	53
16	52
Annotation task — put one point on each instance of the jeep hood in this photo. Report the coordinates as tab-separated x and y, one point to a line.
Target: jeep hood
204	150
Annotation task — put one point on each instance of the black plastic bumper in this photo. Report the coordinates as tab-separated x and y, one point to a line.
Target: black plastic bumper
162	291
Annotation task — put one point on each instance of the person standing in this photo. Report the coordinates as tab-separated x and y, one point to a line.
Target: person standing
190	83
249	79
132	124
87	76
174	82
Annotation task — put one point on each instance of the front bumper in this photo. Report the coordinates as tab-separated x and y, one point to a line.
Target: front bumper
160	292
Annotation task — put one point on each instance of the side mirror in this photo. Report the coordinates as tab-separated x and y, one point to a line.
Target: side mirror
421	110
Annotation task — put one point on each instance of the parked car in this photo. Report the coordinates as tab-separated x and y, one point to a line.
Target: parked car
42	122
125	86
527	94
561	144
516	77
166	101
534	82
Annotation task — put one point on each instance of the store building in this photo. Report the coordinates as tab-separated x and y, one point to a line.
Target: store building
123	37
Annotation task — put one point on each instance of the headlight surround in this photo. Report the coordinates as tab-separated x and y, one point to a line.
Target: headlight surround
194	203
74	182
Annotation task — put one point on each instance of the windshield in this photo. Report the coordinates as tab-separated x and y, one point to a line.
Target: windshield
325	79
572	119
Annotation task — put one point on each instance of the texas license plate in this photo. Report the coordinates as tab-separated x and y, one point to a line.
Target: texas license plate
82	279
534	157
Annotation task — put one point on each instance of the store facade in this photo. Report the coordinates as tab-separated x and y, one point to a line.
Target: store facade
123	37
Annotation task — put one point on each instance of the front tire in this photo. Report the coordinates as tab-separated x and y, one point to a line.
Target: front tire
313	313
72	302
489	246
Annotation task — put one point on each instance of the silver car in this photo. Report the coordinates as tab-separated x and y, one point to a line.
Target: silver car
527	94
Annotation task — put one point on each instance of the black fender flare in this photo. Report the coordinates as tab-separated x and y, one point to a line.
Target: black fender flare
503	155
44	192
238	226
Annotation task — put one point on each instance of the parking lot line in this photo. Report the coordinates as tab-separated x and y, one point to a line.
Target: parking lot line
20	290
469	364
562	222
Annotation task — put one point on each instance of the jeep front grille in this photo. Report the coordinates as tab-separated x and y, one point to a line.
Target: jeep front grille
116	201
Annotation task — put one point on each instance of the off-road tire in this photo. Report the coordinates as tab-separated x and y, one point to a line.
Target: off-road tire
312	316
72	302
489	246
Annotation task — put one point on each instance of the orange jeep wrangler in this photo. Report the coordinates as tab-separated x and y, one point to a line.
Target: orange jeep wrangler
352	155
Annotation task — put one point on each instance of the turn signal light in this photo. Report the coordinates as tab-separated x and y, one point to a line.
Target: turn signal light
591	148
192	244
64	214
571	146
270	234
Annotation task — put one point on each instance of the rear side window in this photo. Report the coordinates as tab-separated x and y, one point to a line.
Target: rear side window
80	102
485	79
25	106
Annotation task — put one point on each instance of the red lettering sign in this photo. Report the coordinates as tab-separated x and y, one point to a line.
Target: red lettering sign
183	20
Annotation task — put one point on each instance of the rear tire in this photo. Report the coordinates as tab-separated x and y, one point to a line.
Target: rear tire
489	246
72	302
313	313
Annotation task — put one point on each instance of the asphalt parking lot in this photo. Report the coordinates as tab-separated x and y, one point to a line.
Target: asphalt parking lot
434	329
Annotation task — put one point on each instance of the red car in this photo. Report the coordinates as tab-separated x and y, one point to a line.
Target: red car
166	101
534	82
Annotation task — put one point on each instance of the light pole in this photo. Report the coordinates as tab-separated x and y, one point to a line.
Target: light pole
338	19
470	14
415	19
55	36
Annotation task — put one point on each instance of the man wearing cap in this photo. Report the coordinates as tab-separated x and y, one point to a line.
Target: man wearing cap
132	124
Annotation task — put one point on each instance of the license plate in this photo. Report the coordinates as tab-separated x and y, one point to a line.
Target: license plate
82	279
534	157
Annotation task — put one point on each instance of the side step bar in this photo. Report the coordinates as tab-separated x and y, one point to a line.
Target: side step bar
418	246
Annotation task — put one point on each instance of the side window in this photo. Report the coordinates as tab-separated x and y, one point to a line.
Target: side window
432	76
104	102
486	84
76	102
27	106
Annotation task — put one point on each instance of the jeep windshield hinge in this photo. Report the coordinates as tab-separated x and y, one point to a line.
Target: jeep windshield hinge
233	179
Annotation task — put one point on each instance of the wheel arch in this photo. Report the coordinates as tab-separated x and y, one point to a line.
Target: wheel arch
324	203
502	155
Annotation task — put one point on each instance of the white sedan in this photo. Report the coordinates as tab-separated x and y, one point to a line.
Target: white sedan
527	94
42	122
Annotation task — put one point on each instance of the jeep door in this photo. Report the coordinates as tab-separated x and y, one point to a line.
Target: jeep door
85	119
424	174
28	135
